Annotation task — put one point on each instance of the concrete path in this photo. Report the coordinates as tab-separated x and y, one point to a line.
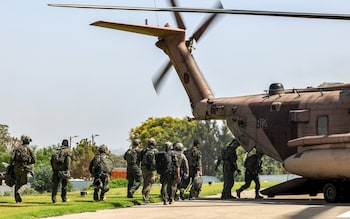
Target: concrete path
292	207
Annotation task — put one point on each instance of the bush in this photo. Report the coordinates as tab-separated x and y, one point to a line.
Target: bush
41	181
118	183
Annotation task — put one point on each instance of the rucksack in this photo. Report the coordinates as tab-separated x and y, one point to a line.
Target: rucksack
164	163
103	164
21	154
58	156
131	156
149	159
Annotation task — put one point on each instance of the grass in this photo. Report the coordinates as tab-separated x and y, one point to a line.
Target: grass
40	205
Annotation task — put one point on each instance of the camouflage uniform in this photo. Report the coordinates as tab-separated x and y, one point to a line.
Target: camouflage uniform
194	157
133	170
21	159
184	169
101	177
170	178
253	168
148	170
61	171
229	158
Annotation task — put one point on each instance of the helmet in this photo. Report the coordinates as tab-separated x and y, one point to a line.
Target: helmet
195	143
152	141
25	139
103	149
179	146
65	142
136	142
168	146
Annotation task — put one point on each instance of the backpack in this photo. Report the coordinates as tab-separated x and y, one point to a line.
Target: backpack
164	163
131	156
58	156
149	159
21	154
103	164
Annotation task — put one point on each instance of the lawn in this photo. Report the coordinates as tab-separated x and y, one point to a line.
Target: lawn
40	205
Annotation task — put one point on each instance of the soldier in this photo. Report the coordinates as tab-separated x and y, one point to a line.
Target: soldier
194	157
101	168
21	159
253	168
184	169
148	163
168	167
60	164
133	170
229	158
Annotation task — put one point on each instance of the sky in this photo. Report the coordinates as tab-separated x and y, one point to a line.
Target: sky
61	77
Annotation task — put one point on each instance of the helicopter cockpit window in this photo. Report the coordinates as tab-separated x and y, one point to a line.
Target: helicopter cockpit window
322	125
275	106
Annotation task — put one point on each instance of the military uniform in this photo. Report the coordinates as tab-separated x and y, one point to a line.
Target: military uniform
229	158
148	169
133	170
253	168
21	159
194	157
100	168
61	164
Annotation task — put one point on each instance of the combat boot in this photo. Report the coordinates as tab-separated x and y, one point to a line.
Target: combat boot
238	193
96	195
182	195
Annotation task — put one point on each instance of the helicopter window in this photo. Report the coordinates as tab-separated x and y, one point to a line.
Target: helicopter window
322	125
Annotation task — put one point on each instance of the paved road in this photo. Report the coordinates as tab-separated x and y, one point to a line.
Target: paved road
292	207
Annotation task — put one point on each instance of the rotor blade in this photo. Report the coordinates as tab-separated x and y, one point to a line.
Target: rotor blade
157	81
197	35
179	20
215	11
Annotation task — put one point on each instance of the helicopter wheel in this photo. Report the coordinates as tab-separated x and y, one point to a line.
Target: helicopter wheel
330	193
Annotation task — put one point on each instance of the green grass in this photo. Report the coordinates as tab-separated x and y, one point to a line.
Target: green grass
40	205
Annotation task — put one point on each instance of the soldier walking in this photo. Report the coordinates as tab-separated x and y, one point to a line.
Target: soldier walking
184	169
253	168
229	158
101	169
133	169
60	164
194	157
148	164
22	159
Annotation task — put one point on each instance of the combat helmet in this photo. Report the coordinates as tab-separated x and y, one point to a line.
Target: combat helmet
136	142
103	149
25	139
152	142
168	146
65	143
179	146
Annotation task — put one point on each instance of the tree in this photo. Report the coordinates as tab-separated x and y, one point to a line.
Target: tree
81	158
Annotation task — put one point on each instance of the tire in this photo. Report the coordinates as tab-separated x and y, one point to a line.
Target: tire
330	193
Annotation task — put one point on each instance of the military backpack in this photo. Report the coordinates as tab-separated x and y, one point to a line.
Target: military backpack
22	154
103	164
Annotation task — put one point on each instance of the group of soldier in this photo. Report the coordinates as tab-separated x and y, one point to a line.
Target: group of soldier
22	158
252	166
177	169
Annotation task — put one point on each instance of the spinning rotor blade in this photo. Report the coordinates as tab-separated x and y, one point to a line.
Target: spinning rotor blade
197	35
157	81
178	18
215	11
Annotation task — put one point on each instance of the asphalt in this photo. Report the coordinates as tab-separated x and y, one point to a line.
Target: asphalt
286	207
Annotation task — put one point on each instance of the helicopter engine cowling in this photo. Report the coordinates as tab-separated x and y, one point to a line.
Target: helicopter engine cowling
331	163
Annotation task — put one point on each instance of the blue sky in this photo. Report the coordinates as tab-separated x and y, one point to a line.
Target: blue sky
61	77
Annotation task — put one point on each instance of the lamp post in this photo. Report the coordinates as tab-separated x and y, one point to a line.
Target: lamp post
70	139
93	138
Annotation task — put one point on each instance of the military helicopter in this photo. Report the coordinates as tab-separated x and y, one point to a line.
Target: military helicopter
306	129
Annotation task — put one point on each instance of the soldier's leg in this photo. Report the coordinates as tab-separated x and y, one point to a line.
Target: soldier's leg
105	188
248	180
183	185
257	187
64	183
130	178
137	177
97	186
228	184
55	181
164	189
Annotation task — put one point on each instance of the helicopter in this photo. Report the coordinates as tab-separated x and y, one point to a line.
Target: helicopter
305	129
